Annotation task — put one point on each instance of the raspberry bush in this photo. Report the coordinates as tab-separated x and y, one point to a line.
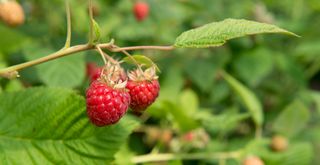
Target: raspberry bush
85	82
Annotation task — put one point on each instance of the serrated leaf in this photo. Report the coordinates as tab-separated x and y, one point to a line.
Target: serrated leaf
141	59
218	33
247	97
292	119
96	29
50	126
64	72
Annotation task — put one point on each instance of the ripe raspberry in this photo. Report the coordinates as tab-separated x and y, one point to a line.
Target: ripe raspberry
93	71
107	99
253	160
11	13
141	10
143	88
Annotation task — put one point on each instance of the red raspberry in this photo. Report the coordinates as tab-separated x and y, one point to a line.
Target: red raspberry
143	89
141	10
107	98
106	105
143	93
93	71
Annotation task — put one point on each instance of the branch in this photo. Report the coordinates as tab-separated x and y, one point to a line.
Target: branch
187	156
11	71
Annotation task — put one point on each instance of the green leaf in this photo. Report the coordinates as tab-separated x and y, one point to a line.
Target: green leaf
222	123
141	59
97	30
292	119
189	101
11	40
218	33
50	126
181	118
64	72
260	63
248	98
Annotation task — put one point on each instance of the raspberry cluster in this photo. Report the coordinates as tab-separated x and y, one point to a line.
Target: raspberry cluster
112	92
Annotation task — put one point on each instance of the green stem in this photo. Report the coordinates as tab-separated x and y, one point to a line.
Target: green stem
187	156
68	12
91	33
61	53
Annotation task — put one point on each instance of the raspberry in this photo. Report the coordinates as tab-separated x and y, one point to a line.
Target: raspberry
141	10
279	143
143	89
106	105
253	160
93	71
106	98
11	13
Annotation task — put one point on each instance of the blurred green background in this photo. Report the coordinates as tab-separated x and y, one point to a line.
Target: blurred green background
283	72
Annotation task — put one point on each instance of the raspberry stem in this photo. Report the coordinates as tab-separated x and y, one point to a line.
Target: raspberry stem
68	13
105	55
91	33
129	55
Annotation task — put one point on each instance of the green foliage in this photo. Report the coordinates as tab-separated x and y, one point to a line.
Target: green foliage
142	60
292	120
273	79
49	126
247	97
217	33
65	72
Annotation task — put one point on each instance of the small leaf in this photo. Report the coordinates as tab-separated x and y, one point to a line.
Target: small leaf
97	30
50	126
184	121
292	119
141	59
248	98
218	33
189	101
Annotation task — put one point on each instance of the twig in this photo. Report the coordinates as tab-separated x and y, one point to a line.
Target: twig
68	12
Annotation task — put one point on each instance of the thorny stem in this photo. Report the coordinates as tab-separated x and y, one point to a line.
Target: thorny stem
91	33
143	47
187	156
68	12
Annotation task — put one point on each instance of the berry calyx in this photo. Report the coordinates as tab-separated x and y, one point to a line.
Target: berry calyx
143	88
11	13
279	143
107	100
141	10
